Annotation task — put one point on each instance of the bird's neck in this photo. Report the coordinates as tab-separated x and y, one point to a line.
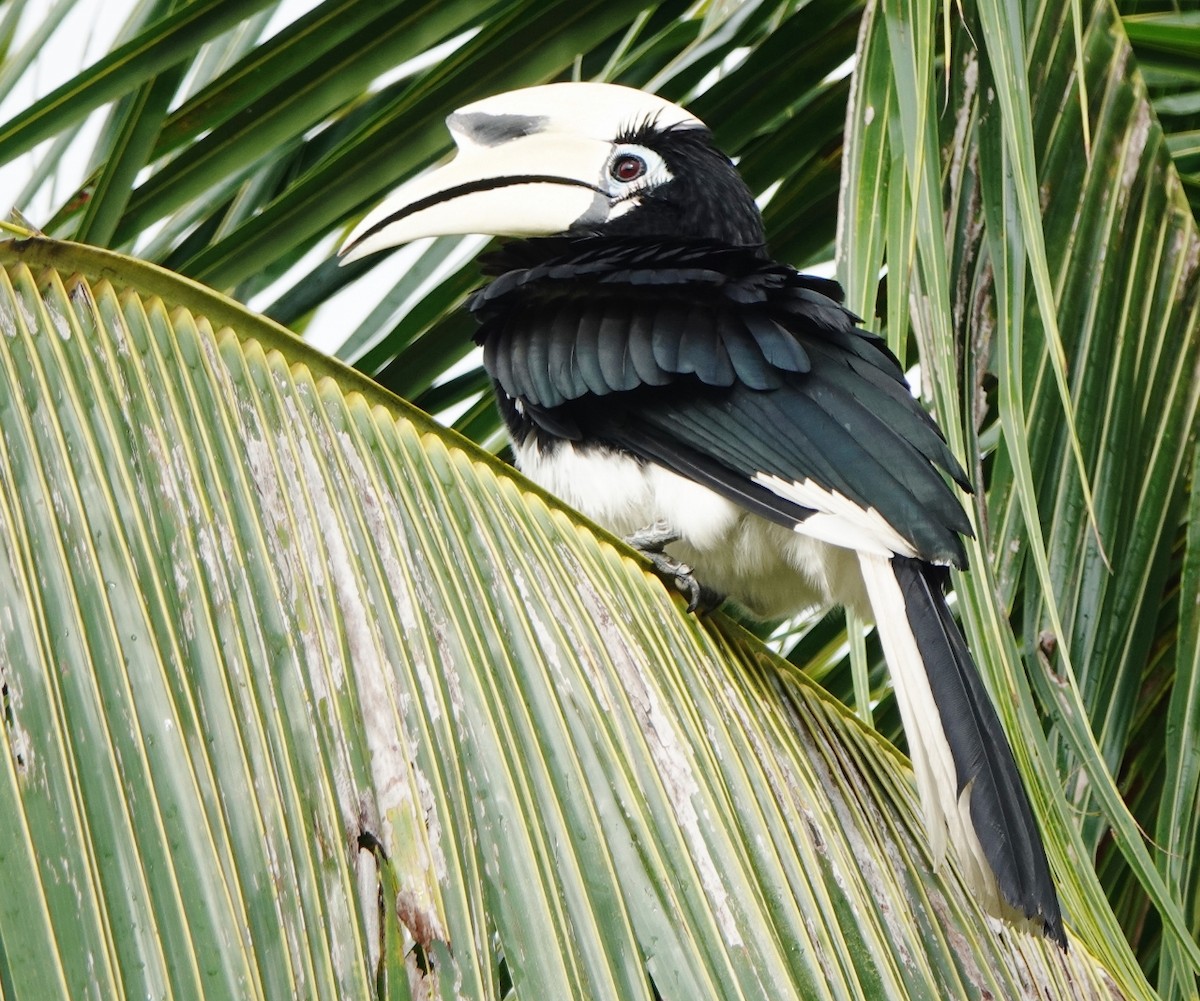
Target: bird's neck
587	256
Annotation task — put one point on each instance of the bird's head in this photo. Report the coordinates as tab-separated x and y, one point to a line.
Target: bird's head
566	159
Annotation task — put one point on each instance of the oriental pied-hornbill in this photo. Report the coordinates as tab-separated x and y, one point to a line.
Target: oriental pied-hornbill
660	372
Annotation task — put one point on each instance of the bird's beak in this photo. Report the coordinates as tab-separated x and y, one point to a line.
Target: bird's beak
533	185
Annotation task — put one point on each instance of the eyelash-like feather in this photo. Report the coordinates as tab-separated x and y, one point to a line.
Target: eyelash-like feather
639	130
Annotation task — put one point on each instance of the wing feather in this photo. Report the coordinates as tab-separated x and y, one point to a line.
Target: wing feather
616	366
819	464
731	370
587	351
640	333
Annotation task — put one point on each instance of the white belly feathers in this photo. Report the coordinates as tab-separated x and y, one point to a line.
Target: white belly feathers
768	569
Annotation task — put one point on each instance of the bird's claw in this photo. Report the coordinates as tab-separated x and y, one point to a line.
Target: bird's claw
650	542
653	538
701	598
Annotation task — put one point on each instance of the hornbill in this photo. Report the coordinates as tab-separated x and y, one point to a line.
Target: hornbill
660	372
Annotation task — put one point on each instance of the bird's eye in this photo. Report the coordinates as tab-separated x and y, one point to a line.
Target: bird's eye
627	167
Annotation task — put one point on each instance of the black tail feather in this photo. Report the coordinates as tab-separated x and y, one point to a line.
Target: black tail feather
1000	810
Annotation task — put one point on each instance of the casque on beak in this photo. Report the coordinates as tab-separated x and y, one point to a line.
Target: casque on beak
531	162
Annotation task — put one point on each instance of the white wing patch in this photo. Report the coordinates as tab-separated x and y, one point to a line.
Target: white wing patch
838	519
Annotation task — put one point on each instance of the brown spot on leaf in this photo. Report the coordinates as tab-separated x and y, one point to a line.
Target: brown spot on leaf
420	922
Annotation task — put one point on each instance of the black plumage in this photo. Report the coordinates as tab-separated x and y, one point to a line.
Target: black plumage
678	351
985	762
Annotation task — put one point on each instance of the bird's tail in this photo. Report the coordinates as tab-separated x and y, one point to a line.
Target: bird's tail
969	785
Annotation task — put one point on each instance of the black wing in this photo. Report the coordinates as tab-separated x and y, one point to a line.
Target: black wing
731	370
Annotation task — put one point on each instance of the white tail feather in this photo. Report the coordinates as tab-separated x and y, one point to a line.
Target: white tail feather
947	815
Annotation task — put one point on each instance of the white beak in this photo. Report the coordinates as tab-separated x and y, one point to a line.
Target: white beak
531	162
530	186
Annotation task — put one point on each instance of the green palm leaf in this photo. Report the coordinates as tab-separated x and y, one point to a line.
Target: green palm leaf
1125	302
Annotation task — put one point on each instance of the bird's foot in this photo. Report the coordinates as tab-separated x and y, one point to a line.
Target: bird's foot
650	542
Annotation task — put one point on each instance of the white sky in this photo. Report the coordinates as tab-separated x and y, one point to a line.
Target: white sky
85	34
